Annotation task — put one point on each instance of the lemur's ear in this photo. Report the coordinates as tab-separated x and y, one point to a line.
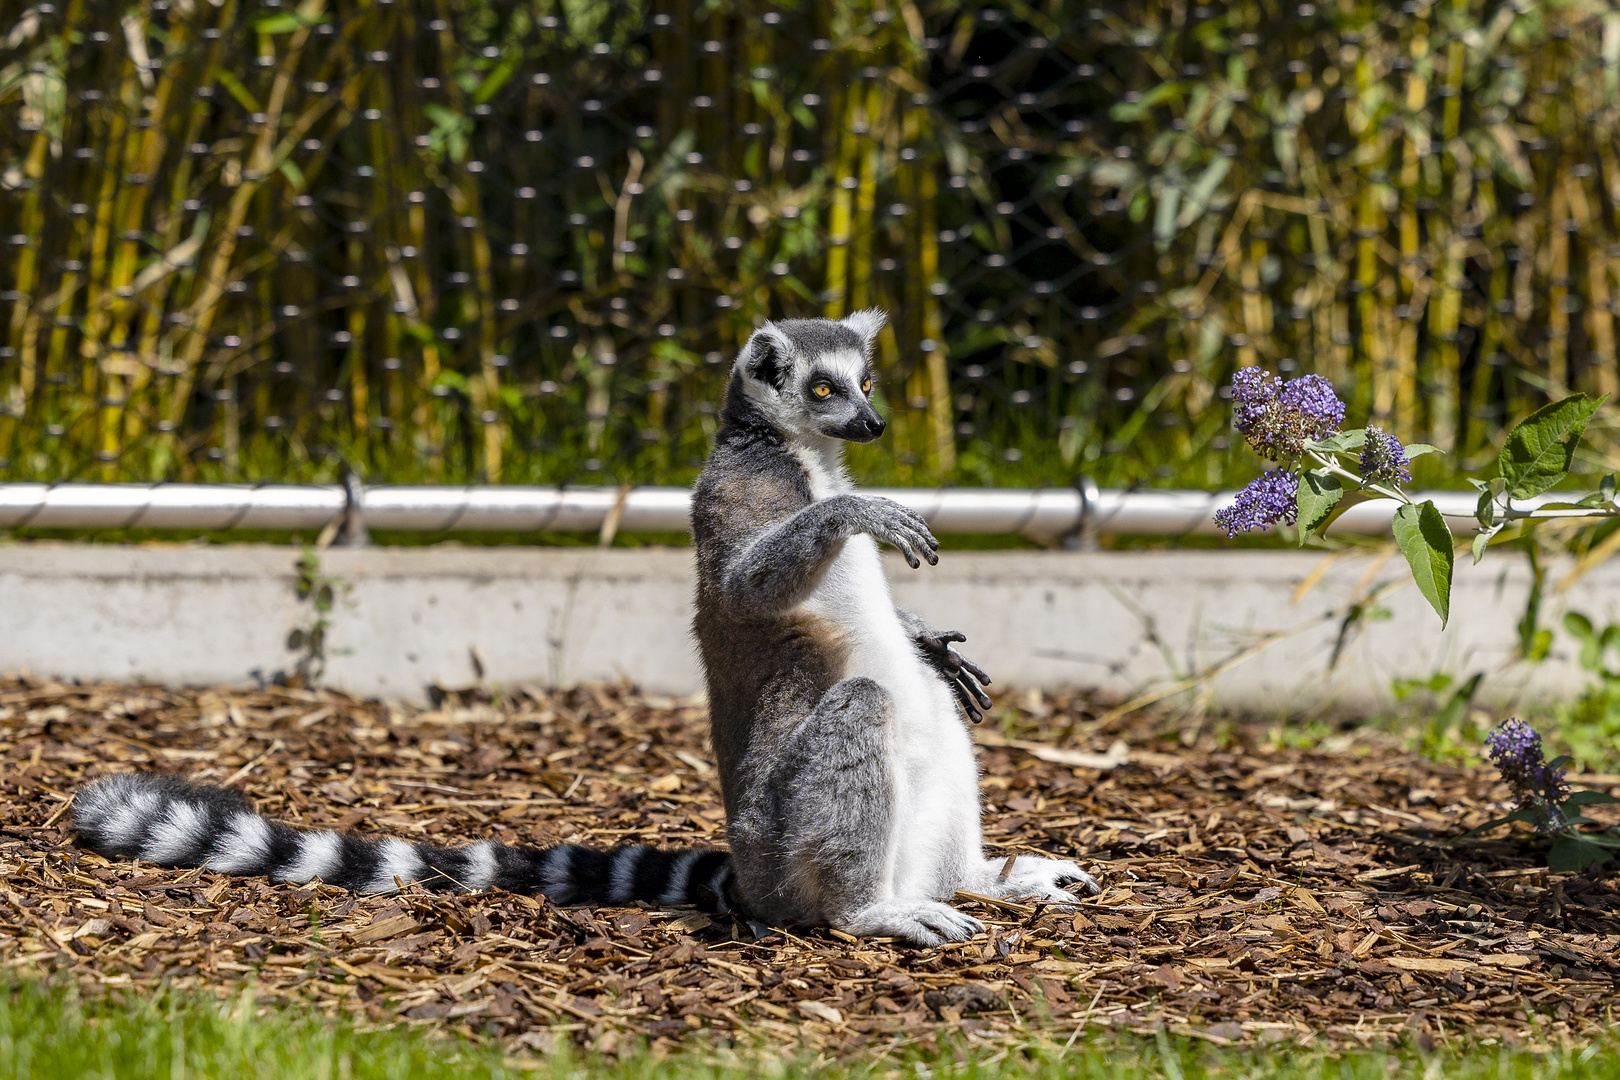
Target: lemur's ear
866	324
765	356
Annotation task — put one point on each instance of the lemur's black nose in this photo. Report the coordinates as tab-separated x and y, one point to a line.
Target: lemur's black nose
875	425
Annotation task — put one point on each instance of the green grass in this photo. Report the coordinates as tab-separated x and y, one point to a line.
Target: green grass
47	1033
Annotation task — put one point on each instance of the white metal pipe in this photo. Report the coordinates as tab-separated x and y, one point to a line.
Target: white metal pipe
1041	513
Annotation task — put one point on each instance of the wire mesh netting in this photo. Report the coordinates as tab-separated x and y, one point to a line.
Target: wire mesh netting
490	240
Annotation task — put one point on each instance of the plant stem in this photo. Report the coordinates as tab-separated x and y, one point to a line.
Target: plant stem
1339	470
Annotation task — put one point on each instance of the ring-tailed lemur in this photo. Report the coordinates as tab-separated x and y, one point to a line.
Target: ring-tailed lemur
850	786
851	790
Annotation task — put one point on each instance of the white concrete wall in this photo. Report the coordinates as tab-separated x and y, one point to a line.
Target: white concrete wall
412	617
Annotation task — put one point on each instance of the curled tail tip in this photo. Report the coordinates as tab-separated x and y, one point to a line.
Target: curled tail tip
101	800
117	815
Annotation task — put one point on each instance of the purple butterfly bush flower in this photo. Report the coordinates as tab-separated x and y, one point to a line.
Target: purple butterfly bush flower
1515	749
1267	501
1383	459
1279	418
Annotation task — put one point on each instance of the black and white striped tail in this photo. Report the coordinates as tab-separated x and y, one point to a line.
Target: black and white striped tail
166	820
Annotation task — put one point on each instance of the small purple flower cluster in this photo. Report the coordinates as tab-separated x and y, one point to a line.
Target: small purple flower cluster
1515	749
1383	459
1279	418
1267	501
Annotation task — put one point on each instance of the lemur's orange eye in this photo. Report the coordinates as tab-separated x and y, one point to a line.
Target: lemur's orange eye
866	386
821	389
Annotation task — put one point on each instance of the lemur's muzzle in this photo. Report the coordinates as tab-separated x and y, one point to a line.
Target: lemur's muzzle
863	427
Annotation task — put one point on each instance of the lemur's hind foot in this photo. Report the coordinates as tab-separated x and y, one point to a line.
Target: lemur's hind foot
921	922
1032	876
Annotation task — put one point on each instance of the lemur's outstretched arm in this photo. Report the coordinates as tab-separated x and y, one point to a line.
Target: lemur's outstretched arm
782	565
964	675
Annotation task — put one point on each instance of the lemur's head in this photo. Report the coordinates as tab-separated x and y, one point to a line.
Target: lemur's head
813	377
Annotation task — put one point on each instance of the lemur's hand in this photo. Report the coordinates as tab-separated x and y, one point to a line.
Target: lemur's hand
900	527
965	677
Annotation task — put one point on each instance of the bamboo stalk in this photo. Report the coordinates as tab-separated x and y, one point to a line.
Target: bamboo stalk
1558	292
1600	377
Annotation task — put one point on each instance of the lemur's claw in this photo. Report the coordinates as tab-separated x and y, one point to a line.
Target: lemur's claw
967	702
973	669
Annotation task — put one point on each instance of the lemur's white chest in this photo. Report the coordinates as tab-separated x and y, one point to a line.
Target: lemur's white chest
853	595
935	825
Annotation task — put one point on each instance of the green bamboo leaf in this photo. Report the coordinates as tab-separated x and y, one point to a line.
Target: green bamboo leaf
242	94
294	175
287	22
496	78
1424	539
1319	492
1164	220
1202	190
1540	447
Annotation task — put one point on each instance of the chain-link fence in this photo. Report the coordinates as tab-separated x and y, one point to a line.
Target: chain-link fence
482	239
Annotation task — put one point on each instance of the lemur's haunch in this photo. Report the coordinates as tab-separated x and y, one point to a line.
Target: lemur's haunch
851	791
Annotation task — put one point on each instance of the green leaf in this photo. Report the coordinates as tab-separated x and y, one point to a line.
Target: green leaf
1482	540
284	23
1456	706
1526	816
1569	855
1579	625
1424	539
234	87
294	175
1354	439
1590	798
1540	447
1203	189
1319	492
1351	498
1537	645
1485	509
1418	449
496	79
1164	220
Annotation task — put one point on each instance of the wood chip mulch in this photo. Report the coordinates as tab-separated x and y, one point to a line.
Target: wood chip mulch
1253	893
